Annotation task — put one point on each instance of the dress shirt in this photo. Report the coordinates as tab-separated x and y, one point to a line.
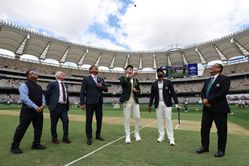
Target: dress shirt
160	89
61	92
94	78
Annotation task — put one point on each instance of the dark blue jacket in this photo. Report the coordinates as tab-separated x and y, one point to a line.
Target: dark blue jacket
217	94
168	93
52	95
90	93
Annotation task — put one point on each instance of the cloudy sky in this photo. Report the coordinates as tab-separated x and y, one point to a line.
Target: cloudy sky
134	25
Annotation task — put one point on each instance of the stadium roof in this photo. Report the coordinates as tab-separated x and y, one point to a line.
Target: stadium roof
21	41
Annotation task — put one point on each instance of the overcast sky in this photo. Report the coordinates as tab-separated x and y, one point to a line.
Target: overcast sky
134	25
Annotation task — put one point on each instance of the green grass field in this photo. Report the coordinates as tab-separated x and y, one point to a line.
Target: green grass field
145	152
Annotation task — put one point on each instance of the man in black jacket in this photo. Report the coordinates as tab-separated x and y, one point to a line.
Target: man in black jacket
91	99
162	91
215	108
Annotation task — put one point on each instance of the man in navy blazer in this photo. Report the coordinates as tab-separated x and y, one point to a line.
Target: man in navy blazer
58	104
91	99
215	108
162	91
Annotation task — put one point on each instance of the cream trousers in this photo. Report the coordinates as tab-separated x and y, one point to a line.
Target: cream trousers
164	120
131	107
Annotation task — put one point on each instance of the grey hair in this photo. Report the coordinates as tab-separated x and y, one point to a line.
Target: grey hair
58	73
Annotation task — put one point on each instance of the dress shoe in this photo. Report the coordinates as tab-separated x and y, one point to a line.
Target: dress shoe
38	147
55	141
16	150
202	150
89	142
100	138
66	141
128	139
219	154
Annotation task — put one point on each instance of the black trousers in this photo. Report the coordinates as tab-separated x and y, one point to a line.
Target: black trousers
90	109
60	112
26	117
221	124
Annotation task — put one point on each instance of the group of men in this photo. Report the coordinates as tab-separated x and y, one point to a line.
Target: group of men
213	94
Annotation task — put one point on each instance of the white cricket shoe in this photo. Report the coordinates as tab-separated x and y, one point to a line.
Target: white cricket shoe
160	139
128	139
172	143
137	137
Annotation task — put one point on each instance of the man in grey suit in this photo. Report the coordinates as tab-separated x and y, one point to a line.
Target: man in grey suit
58	104
91	99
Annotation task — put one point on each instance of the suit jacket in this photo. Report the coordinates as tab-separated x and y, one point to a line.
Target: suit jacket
217	94
126	89
168	93
90	93
52	95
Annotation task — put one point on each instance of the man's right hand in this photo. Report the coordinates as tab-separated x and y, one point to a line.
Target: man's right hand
83	106
40	109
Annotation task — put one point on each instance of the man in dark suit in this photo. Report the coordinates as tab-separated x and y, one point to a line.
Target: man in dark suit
129	99
33	103
162	91
58	103
91	99
215	107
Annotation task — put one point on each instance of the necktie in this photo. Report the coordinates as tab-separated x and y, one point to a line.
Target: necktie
63	91
209	86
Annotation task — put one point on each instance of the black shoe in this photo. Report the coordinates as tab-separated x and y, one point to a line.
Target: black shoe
89	142
66	140
100	138
38	147
219	154
16	150
202	150
55	141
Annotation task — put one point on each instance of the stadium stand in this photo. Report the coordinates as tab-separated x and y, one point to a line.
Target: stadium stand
21	41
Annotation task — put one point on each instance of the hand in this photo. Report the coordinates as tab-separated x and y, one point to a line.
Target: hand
204	101
149	109
83	106
135	72
134	90
99	85
178	106
40	109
